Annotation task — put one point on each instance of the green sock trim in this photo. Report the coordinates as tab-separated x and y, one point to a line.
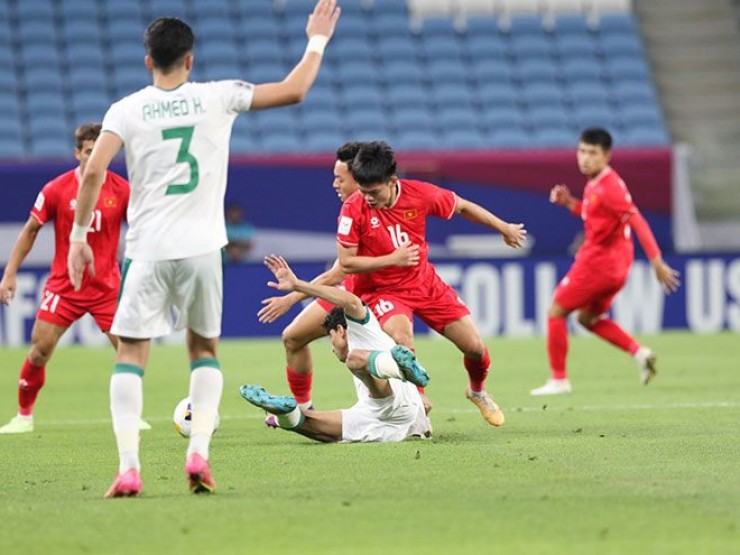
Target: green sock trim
299	425
210	362
371	364
123	368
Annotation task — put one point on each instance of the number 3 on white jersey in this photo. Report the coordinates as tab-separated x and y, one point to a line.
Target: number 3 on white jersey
398	236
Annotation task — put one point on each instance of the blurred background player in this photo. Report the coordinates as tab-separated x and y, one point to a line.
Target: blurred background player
602	263
61	306
239	233
308	325
382	238
177	137
389	407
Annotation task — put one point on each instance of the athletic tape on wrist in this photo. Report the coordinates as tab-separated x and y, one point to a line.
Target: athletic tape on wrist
79	234
317	43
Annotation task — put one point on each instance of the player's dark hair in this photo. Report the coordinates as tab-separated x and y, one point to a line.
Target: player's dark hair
348	151
168	40
373	163
89	131
335	319
597	136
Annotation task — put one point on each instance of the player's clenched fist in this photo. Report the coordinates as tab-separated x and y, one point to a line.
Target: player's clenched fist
7	289
560	194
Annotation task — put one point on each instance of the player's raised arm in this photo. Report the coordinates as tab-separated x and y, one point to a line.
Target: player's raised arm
21	248
514	234
275	307
295	86
80	253
287	281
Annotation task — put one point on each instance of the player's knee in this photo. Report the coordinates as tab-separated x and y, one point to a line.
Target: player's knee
587	319
40	353
556	311
291	340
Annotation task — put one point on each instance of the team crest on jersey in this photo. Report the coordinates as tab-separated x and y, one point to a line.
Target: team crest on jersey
345	225
73	204
109	202
39	204
409	214
374	222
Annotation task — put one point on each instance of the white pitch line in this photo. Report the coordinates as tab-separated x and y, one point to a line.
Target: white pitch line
259	416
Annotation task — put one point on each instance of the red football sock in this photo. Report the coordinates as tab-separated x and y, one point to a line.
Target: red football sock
30	382
477	370
557	346
300	384
609	330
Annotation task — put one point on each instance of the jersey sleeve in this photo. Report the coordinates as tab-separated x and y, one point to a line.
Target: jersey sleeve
348	232
441	202
615	196
237	95
44	209
114	121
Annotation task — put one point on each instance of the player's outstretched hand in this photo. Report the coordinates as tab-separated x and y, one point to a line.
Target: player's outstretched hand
515	235
406	255
7	289
274	308
560	194
80	257
667	276
324	19
286	279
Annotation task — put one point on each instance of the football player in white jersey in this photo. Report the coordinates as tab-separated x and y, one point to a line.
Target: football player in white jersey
176	134
389	406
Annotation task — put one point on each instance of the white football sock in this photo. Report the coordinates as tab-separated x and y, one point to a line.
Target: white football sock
126	401
291	420
206	386
383	366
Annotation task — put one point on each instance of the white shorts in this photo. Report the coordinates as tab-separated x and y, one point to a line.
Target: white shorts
385	420
155	292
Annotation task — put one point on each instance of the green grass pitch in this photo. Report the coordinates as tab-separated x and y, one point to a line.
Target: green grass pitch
613	468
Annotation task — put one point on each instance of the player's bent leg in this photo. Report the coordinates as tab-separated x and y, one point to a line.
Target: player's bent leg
297	336
360	363
261	398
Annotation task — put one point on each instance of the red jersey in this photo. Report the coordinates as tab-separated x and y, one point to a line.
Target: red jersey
607	205
380	231
56	201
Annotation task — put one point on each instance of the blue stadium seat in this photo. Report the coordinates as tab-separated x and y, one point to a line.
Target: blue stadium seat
169	8
492	71
82	54
117	11
445	71
402	72
295	7
621	45
128	31
216	27
129	79
36	32
10	148
617	24
537	71
322	120
481	26
389	25
320	99
397	48
532	48
51	147
392	7
42	104
486	48
499	95
211	8
590	116
48	125
495	118
89	106
282	142
643	136
624	68
543	95
628	92
357	95
219	50
352	74
10	123
586	94
574	71
571	25
637	115
413	119
82	31
356	49
452	94
275	121
265	73
359	119
416	140
39	55
44	79
438	27
451	118
38	10
326	141
354	27
463	139
442	48
245	144
256	28
526	26
250	8
509	138
575	47
263	51
79	10
407	95
548	117
555	138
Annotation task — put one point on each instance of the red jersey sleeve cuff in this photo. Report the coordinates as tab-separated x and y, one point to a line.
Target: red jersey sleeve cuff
577	209
347	244
37	218
454	208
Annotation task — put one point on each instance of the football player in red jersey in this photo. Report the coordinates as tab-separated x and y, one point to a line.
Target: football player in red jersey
382	238
602	263
308	325
61	305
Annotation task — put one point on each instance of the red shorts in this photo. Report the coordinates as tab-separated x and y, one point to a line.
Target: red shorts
346	285
60	311
586	288
434	302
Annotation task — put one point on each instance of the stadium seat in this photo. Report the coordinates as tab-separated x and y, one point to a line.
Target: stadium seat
637	115
573	70
45	79
320	98
256	28
413	119
275	121
322	120
250	8
486	48
82	31
353	73
555	138
397	48
83	55
212	8
391	7
117	11
492	71
245	144
416	140
438	27
571	25
448	94
442	49
617	23
540	95
575	47
536	71
621	45
389	25
532	48
481	26
38	10
282	142
628	92
11	148
46	55
358	96
41	103
590	116
324	142
79	9
36	32
365	120
586	94
642	136
402	72
526	26
446	71
619	69
463	139
548	117
497	95
496	118
509	138
407	95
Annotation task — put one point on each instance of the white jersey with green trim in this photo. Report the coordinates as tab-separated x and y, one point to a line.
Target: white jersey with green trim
177	154
367	334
